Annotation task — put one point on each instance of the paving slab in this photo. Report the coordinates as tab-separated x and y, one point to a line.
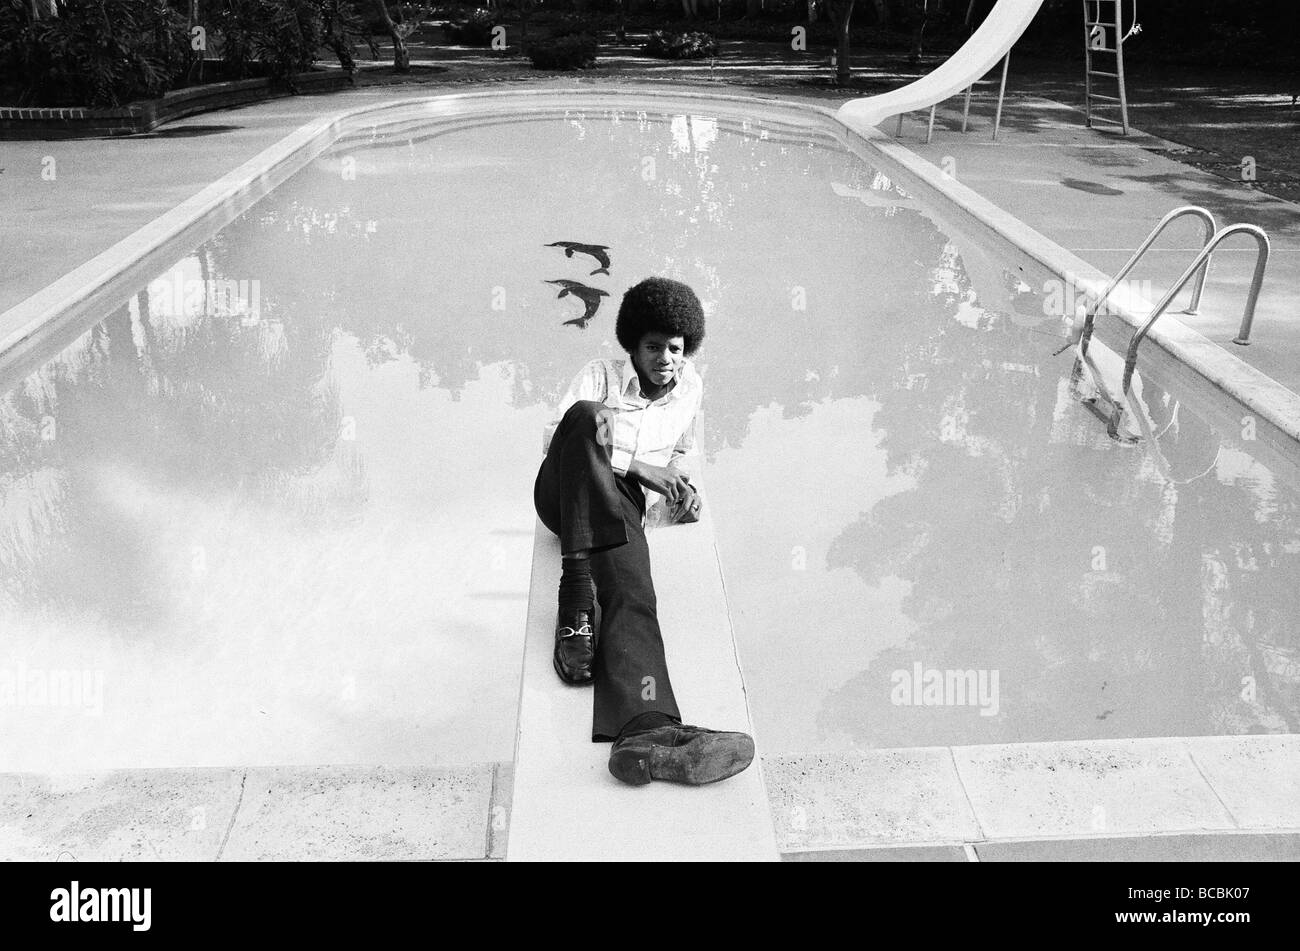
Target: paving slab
362	813
868	797
1041	790
170	815
1256	777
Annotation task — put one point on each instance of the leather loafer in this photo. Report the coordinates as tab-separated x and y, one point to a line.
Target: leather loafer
575	647
679	753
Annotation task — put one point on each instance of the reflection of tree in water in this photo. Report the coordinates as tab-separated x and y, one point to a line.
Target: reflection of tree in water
1018	490
144	401
253	410
835	349
407	286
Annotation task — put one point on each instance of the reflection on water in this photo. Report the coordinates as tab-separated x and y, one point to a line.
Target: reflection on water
297	529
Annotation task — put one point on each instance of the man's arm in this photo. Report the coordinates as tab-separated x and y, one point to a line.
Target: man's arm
685	445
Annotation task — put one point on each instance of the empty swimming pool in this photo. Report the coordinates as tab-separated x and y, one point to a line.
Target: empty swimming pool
276	507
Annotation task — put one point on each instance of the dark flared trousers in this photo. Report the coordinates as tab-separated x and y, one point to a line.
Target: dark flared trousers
580	498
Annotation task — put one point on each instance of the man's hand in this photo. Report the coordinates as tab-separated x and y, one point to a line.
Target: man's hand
665	480
687	508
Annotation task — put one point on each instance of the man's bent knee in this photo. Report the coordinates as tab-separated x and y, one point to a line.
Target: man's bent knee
592	417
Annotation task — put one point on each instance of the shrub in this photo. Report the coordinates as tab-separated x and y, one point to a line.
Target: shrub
474	31
284	35
290	36
666	45
571	51
94	53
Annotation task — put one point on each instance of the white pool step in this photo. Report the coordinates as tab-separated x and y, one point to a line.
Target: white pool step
566	806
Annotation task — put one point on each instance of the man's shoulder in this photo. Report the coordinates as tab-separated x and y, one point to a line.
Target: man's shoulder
600	368
604	365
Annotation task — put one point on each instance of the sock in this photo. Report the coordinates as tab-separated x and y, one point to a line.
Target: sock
647	721
576	592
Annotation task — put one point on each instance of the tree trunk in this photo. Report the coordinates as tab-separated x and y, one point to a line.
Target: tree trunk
401	57
842	55
915	56
525	11
622	28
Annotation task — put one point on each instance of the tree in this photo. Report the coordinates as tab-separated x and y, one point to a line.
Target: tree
401	57
526	8
843	13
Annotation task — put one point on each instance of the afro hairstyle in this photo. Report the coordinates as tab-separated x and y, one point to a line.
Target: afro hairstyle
663	305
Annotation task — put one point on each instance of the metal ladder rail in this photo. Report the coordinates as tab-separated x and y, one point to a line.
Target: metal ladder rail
1092	20
1211	229
1248	317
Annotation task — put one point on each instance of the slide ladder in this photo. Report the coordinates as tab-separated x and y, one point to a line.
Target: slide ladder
1105	37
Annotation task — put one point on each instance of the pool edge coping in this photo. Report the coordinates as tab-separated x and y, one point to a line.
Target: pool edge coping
90	790
1150	783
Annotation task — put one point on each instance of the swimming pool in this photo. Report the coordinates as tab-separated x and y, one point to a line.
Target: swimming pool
286	517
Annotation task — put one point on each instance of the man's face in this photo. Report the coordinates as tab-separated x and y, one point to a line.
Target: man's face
657	358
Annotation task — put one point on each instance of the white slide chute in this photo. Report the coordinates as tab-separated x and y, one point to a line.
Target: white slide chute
985	49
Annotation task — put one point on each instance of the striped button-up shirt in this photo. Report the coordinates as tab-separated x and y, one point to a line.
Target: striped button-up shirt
659	432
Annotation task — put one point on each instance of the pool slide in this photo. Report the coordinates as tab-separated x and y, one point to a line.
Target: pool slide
985	49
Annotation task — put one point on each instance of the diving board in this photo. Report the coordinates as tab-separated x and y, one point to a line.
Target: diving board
986	48
566	806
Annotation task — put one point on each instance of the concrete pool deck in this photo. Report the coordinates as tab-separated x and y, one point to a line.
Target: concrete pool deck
1201	798
1226	793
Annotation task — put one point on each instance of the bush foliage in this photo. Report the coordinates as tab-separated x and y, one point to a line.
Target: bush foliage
95	53
109	52
570	51
666	45
475	30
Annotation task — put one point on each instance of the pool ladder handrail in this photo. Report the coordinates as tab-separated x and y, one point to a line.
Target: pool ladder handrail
1248	317
1211	227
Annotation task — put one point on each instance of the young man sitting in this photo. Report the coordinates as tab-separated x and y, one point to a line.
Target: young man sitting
622	430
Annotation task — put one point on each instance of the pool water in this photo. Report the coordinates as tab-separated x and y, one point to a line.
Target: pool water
291	521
